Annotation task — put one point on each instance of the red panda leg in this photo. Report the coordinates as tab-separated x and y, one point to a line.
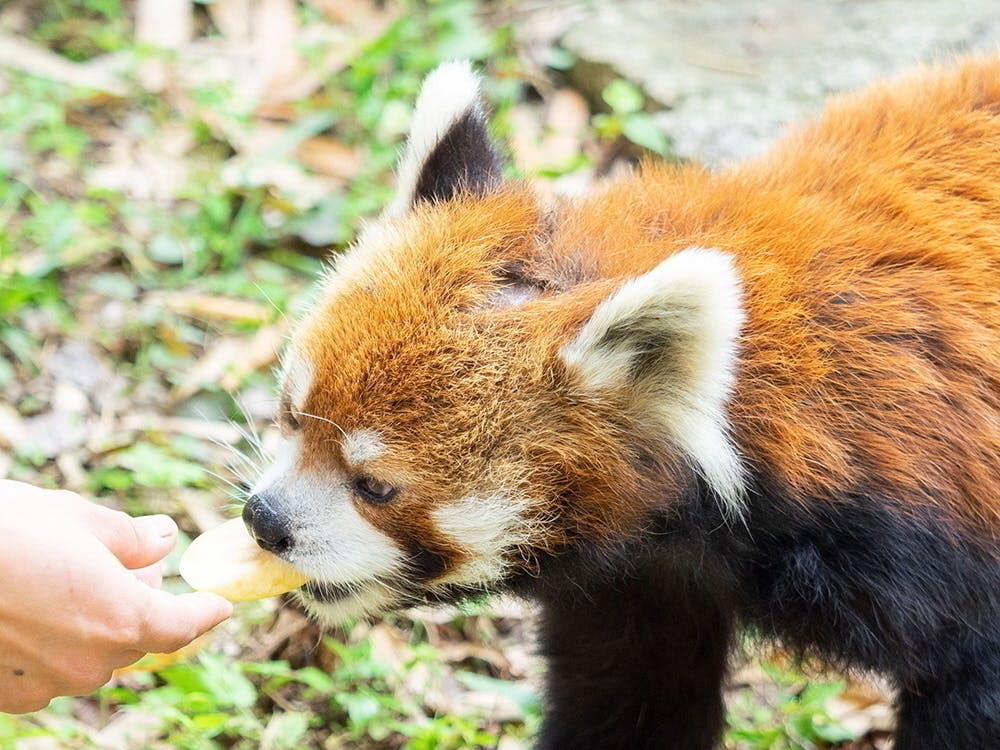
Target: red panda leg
960	716
634	665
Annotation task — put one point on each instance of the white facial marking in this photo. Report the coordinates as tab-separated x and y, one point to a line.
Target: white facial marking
370	599
447	95
331	540
487	527
693	297
361	446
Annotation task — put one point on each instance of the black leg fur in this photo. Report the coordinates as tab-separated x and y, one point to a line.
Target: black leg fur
863	586
635	665
957	715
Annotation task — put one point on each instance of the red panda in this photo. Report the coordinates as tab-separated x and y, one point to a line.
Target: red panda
689	403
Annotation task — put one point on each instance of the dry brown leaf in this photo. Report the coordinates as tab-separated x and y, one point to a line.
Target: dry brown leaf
231	18
342	45
275	31
863	707
166	24
447	695
202	429
146	168
553	139
229	360
82	365
389	646
348	12
205	306
20	54
16	17
35	262
222	354
61	429
74	476
287	625
568	112
459	651
330	157
261	352
526	133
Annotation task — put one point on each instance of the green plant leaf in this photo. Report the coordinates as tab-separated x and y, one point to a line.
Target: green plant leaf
623	97
642	130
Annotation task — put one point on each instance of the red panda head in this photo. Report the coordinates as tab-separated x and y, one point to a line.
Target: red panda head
465	396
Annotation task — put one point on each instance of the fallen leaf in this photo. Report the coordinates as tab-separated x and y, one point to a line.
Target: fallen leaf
330	156
20	54
275	32
231	18
156	662
261	352
229	360
287	624
863	707
341	45
212	306
202	429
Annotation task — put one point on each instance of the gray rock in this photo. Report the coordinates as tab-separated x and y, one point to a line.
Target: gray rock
732	74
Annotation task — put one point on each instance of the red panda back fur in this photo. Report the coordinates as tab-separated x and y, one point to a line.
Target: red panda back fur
870	249
860	521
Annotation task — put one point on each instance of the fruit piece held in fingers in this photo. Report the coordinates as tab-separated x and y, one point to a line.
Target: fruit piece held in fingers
227	561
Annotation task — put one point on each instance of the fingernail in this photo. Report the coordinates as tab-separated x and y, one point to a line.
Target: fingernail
164	526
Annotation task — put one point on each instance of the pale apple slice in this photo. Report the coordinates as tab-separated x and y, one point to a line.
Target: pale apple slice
227	561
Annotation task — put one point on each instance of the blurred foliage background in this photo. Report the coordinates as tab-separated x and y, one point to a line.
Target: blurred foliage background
172	175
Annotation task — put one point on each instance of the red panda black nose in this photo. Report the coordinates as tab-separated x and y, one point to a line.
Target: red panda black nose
267	526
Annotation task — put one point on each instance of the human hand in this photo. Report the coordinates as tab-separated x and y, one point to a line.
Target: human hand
80	596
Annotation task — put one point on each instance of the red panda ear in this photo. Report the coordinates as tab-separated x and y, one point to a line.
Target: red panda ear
449	149
667	341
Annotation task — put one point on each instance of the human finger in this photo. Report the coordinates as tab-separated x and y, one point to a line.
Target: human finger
174	620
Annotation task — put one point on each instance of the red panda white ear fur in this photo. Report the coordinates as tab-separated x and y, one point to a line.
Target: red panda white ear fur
449	147
669	338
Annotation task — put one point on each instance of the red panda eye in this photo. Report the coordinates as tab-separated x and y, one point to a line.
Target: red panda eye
372	490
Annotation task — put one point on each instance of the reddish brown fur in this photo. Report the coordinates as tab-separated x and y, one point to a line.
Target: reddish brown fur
850	239
871	351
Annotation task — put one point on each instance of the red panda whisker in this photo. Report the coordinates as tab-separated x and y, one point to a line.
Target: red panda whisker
320	419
